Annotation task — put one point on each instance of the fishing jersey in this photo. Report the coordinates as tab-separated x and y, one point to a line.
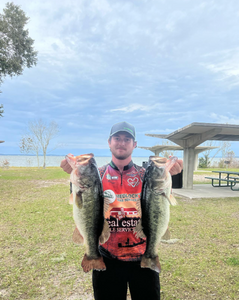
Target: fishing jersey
122	210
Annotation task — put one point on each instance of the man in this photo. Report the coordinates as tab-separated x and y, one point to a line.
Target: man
122	185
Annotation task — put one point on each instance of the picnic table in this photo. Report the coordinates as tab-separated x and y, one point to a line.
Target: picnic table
230	179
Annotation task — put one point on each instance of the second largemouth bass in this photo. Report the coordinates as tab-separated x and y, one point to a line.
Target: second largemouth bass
156	198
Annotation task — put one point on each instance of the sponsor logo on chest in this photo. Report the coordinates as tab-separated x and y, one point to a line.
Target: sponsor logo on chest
133	181
109	177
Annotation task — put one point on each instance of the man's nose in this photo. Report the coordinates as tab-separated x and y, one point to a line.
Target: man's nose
122	141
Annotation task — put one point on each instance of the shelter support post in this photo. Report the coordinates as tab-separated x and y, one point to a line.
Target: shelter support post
188	167
196	162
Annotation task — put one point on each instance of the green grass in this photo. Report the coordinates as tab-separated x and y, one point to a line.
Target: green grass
38	259
201	173
22	173
219	169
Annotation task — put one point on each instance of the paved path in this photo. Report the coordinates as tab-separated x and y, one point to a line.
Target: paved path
206	191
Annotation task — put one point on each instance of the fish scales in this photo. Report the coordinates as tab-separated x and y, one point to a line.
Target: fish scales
155	202
88	207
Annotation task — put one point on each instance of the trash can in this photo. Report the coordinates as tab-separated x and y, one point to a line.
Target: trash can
177	181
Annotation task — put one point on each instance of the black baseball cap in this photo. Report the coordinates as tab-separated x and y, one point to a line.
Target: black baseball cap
123	126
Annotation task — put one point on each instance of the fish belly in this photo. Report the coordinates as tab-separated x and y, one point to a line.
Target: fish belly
158	219
88	220
155	222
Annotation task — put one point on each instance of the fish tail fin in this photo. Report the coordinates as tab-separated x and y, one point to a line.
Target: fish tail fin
93	264
151	263
105	234
77	237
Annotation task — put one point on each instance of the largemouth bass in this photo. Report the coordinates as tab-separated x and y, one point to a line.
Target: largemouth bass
88	202
155	200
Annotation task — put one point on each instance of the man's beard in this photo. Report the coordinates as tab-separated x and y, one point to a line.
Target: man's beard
120	157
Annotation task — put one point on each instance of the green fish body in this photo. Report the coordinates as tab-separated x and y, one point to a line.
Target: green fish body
155	208
88	204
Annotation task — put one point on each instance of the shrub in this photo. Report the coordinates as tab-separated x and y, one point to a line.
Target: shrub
5	164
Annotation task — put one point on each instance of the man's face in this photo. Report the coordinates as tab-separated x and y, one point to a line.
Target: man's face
122	145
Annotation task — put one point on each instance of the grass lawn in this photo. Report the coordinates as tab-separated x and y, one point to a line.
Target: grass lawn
38	259
199	175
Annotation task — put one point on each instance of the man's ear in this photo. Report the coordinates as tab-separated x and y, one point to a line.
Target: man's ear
135	144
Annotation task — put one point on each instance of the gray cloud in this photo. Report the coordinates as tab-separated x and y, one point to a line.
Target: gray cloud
157	64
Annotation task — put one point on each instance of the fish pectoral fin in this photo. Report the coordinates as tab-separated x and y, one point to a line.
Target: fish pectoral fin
172	200
138	231
71	199
77	237
166	235
78	200
105	234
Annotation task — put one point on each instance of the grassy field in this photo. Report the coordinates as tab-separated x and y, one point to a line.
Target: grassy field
39	261
199	175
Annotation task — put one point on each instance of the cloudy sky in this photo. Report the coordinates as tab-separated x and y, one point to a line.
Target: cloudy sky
159	65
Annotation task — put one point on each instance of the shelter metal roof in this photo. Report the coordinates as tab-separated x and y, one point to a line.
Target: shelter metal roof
175	148
222	132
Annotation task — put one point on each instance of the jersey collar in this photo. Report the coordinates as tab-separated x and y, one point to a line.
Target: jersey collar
127	167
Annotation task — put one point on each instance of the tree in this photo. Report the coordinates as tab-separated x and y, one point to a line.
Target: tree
1	110
223	147
16	47
29	144
226	147
204	162
39	136
167	153
231	160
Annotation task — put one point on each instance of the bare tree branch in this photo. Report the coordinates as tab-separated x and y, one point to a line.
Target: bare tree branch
39	137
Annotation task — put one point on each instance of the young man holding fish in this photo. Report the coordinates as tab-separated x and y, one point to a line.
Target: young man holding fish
122	253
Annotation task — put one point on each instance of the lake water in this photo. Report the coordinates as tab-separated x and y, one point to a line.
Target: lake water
54	161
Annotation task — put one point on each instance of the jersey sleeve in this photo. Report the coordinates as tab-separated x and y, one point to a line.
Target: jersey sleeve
102	170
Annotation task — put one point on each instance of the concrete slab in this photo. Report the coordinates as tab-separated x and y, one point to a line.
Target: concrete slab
206	191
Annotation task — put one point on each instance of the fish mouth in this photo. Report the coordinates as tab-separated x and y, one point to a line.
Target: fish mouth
158	161
79	160
163	162
84	158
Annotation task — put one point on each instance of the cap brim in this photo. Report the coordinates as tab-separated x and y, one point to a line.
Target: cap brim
123	131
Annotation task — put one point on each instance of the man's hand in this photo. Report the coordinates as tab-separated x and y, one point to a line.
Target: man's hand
65	166
177	167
